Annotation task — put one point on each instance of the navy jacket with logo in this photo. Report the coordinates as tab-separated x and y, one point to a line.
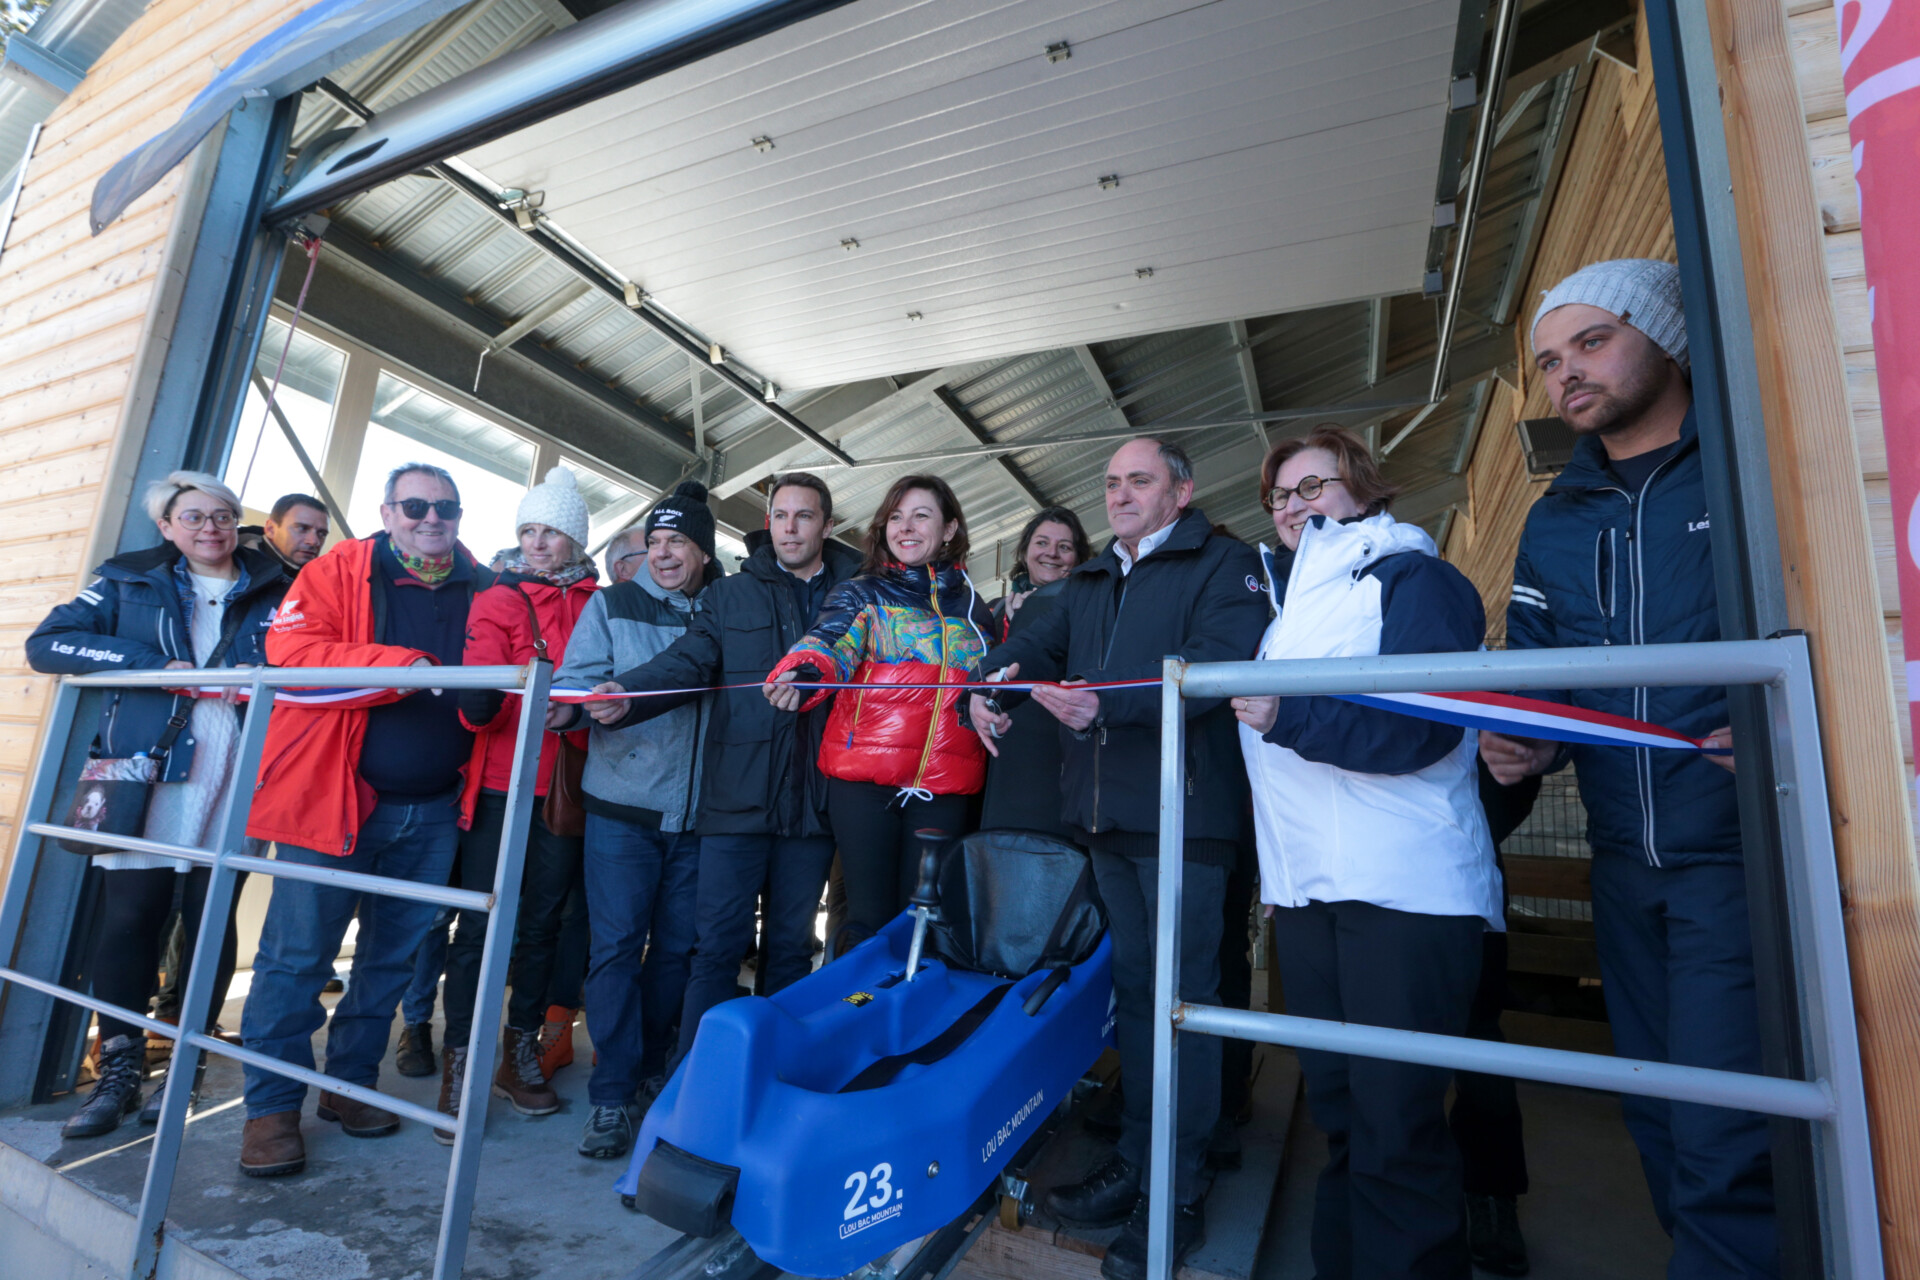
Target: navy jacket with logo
1599	565
133	617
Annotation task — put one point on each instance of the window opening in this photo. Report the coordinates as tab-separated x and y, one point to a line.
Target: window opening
491	465
309	387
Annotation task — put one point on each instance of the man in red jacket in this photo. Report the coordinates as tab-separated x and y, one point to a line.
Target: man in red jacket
370	784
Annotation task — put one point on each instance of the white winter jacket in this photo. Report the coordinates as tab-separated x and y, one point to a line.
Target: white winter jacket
1412	841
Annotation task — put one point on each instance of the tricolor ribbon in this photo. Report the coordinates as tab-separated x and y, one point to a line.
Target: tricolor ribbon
1499	712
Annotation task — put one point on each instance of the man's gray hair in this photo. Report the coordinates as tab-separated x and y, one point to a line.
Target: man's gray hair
631	538
1179	465
422	468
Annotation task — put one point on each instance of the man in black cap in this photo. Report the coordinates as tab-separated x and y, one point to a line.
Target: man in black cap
763	811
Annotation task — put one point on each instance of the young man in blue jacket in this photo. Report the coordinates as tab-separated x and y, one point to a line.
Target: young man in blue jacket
1617	551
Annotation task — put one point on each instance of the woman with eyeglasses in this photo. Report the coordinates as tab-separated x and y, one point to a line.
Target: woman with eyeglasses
195	600
1374	852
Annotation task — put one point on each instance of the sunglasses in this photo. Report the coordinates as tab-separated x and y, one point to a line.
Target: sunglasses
417	508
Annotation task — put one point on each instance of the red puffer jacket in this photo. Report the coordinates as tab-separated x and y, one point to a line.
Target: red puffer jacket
500	633
922	626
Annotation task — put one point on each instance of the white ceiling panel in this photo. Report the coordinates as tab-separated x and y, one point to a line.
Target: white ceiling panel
1272	155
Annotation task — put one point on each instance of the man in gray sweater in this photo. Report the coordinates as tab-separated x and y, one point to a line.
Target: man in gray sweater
642	858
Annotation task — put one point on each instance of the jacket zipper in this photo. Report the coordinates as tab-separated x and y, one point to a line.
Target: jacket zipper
1100	732
933	724
1642	699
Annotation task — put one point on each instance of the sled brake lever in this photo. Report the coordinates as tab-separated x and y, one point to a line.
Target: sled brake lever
926	893
1044	992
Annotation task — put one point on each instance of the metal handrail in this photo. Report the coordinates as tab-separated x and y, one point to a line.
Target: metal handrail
1834	1101
226	860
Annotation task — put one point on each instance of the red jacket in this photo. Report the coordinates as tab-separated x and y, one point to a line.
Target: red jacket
500	633
309	792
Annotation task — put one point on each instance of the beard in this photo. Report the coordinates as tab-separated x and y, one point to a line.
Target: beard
1617	408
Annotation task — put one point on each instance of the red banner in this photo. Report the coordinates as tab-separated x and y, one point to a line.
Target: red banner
1880	54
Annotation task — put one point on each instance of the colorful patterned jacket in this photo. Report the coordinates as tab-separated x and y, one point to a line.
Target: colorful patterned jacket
905	626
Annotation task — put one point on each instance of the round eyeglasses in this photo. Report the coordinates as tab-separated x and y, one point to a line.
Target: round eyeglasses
1309	488
222	519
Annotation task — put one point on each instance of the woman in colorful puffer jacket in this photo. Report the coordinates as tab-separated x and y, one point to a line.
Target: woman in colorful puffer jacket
896	762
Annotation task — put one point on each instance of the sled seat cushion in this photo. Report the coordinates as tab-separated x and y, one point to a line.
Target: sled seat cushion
1013	902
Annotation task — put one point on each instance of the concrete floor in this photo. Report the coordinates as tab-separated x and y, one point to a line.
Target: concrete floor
369	1209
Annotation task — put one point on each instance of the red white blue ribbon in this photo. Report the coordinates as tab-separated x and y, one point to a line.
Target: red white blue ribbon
1499	712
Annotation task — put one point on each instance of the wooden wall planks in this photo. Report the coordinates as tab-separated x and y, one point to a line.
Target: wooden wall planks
73	310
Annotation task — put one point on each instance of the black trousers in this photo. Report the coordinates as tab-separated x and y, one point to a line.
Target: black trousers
874	827
552	866
135	909
1130	888
1486	1109
1389	1201
1236	979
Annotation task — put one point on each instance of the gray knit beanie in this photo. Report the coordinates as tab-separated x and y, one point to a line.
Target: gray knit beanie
556	504
1642	292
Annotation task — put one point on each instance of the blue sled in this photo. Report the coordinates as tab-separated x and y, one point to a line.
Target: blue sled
805	1121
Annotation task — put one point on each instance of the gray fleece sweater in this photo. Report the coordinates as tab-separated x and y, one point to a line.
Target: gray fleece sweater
649	773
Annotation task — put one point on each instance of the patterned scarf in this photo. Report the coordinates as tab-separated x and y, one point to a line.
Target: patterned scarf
432	570
562	577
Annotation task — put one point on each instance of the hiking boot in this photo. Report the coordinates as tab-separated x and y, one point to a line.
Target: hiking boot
1103	1198
356	1119
150	1114
519	1080
453	1078
271	1146
556	1040
116	1090
1493	1235
609	1134
414	1054
1127	1256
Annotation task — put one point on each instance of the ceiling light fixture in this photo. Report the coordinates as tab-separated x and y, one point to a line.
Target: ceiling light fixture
915	315
1143	273
849	244
1059	52
763	143
1108	181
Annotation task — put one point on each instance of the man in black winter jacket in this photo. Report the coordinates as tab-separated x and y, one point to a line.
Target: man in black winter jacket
763	801
1618	551
1166	585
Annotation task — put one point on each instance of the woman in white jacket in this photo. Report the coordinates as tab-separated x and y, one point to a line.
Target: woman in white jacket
1374	853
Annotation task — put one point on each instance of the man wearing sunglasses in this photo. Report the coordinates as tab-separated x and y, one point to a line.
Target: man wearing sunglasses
371	784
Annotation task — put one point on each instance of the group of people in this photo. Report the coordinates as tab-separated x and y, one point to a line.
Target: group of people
726	782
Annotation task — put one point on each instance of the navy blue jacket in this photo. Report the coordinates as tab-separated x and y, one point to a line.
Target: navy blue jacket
1198	596
1599	565
133	617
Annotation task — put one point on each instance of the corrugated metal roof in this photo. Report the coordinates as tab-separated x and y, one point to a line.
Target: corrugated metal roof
687	164
78	31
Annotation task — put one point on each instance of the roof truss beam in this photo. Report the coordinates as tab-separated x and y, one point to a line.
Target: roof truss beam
957	412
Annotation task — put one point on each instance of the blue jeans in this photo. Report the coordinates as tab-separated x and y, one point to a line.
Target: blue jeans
428	963
302	935
640	900
732	869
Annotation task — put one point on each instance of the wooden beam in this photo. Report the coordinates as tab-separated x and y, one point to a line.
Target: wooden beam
1820	503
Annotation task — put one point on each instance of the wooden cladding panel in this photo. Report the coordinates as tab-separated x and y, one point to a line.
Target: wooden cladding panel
1805	280
73	309
1611	203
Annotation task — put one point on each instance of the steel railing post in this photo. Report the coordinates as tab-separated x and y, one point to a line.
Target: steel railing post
1843	1149
183	1066
1166	971
451	1251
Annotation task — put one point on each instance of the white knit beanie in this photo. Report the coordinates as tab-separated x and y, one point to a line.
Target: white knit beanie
1642	292
556	504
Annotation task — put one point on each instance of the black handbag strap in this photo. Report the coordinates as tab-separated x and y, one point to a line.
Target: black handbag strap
533	619
177	722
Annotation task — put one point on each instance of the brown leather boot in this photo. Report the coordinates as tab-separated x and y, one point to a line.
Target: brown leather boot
453	1078
519	1080
271	1146
356	1119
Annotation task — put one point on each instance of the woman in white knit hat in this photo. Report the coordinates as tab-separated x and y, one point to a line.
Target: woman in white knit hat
528	613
